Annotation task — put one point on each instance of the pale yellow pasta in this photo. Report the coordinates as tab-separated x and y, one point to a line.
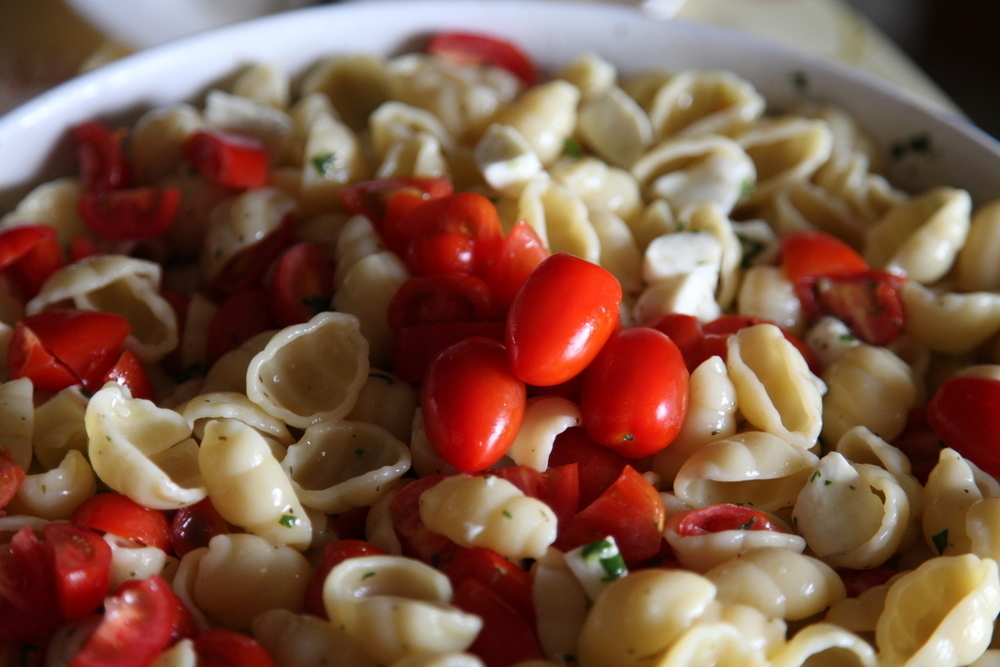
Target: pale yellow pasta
709	219
489	512
591	73
142	451
697	102
356	239
619	253
759	631
393	122
655	219
233	113
950	322
953	487
989	658
116	284
784	150
419	155
825	645
712	645
396	607
312	371
229	373
332	158
850	178
756	469
544	419
804	206
248	486
941	613
860	614
775	390
356	84
711	415
560	217
238	576
132	560
976	270
365	293
17	418
181	654
680	253
304	640
157	138
779	582
52	203
690	293
544	115
921	237
506	160
687	172
615	127
982	524
443	659
638	617
829	339
561	605
232	405
601	186
766	292
426	460
264	82
56	493
387	401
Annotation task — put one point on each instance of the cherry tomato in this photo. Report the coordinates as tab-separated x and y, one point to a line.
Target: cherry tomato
520	253
440	299
473	404
635	393
868	303
119	515
441	253
511	583
227	159
560	318
29	255
370	198
718	331
630	510
82	247
920	444
718	518
81	560
301	285
129	215
558	487
507	637
56	349
241	316
814	254
964	413
99	155
598	467
138	624
857	582
11	476
29	607
414	346
414	537
469	232
129	372
194	525
247	267
334	553
219	647
688	336
463	48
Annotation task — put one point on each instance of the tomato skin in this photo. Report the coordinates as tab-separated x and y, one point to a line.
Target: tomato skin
964	413
414	537
81	560
29	255
560	318
194	525
454	217
334	553
520	253
11	476
598	467
857	582
868	303
247	267
718	518
413	347
510	582
635	393
99	156
371	198
473	404
465	48
29	608
815	254
440	299
241	316
558	487
116	513
507	638
129	372
219	647
128	215
301	285
227	159
920	444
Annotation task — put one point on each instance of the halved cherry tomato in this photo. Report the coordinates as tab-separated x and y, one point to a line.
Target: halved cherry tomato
561	317
334	553
815	254
29	607
219	647
868	303
441	299
463	215
29	255
247	267
370	198
718	518
82	247
473	404
507	637
241	316
920	444
301	285
129	215
227	159
630	510
129	372
511	583
598	467
81	560
138	624
119	515
194	525
635	392
965	413
415	539
11	476
520	253
558	487
101	160
414	346
56	349
857	582
463	48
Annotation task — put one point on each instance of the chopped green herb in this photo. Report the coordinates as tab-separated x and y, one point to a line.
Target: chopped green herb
324	163
572	147
596	549
366	575
846	338
507	515
747	187
827	482
800	80
749	524
918	144
288	520
752	249
941	541
816	475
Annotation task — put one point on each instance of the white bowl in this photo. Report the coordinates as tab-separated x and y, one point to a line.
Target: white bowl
34	141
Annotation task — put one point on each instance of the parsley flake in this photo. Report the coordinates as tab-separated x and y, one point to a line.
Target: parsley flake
324	163
941	541
572	147
288	520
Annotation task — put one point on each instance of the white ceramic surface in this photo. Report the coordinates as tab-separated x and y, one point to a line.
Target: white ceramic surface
34	141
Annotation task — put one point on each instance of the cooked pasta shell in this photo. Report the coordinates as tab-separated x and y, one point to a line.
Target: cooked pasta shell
266	83
419	156
304	640
59	427
357	238
950	322
157	138
560	217
356	85
544	419
17	419
619	253
591	73
229	373
615	127
506	160
544	115
711	644
601	186
232	405
561	605
806	206
310	372
52	203
690	293
953	487
387	401
242	115
702	102
825	642
784	151
57	493
394	122
766	292
133	560
977	270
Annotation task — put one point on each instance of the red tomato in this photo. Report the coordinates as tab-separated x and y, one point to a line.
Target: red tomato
635	393
473	404
965	413
440	299
334	553
920	444
370	198
194	525
99	155
119	515
511	583
301	285
414	537
414	346
138	624
227	159
56	349
868	303
247	267
507	637
219	647
464	48
82	247
858	581
441	253
814	254
129	215
598	467
630	510
719	518
687	334
561	317
29	608
242	315
558	487
11	476
718	331
29	255
520	253
463	215
81	560
129	372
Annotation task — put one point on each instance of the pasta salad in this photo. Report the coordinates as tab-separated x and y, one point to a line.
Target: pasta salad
436	361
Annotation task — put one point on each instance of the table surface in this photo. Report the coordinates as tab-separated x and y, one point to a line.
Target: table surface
43	42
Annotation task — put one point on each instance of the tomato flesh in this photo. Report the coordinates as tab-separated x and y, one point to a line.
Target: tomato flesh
721	517
119	515
228	159
965	413
334	553
81	560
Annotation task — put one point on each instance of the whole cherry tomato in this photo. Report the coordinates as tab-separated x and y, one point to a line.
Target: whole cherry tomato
560	318
465	48
473	404
964	414
455	233
635	393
